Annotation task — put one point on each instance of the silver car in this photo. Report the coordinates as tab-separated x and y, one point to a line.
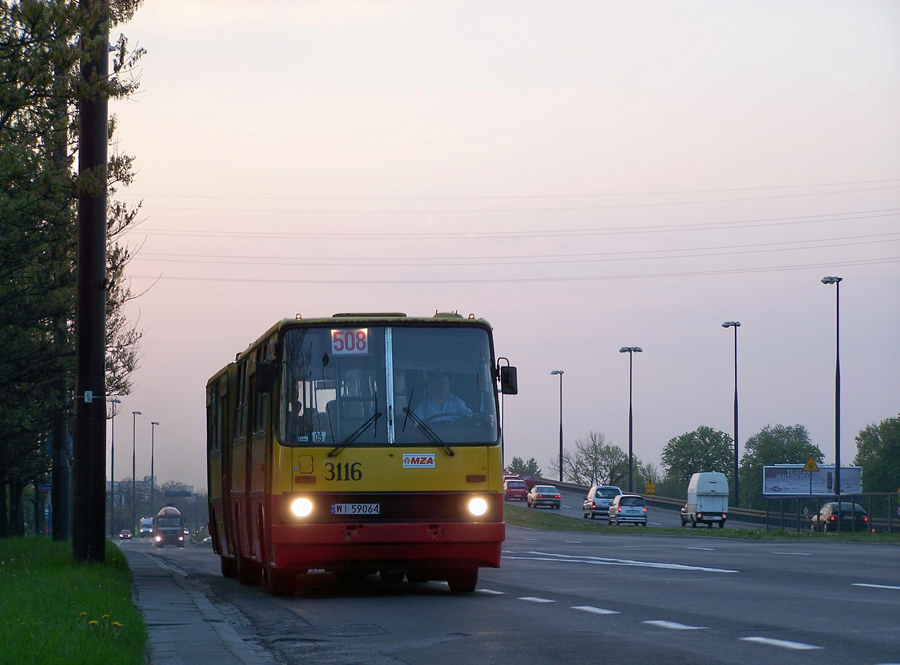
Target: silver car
627	509
598	500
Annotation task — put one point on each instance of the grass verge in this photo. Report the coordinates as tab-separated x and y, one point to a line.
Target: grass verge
551	520
53	610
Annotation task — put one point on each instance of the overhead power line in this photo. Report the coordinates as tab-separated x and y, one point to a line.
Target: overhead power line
526	259
438	211
501	197
518	280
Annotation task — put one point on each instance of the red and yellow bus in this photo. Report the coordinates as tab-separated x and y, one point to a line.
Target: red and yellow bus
357	444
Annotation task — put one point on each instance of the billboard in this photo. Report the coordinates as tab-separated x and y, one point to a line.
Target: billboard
792	480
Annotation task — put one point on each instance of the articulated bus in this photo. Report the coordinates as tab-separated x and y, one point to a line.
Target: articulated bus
357	444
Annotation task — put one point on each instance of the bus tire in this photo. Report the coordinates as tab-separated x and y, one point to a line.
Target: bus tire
249	572
229	566
463	581
281	582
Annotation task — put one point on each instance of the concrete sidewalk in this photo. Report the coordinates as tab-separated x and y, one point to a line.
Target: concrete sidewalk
183	627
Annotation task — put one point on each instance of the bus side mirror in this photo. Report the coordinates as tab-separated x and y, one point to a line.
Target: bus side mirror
509	384
265	377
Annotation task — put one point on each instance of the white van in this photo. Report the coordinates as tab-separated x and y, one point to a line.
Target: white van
707	501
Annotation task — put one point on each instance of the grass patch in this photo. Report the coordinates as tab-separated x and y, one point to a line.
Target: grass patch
53	610
551	520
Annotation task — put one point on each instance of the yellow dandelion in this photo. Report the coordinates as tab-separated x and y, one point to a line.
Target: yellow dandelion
118	625
92	623
83	614
105	616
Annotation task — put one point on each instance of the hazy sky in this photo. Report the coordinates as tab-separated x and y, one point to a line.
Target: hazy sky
584	175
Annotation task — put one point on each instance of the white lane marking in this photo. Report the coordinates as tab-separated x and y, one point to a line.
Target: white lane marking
784	644
594	610
702	549
877	586
532	539
573	542
602	561
792	553
532	599
491	591
675	626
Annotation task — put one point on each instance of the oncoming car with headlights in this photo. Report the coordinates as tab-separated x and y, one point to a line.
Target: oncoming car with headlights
356	444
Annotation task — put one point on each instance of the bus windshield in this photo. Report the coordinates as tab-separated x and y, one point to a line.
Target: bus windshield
387	385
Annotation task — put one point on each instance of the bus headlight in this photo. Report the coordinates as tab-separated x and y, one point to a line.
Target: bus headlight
301	507
478	506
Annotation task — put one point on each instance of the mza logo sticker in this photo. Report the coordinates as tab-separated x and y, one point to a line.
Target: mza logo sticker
418	460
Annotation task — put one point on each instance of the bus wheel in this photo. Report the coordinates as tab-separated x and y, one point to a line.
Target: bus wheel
229	567
281	582
463	581
248	572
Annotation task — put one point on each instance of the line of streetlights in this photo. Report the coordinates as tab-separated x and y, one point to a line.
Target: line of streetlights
631	350
112	465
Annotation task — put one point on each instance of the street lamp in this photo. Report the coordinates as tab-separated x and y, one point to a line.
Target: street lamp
560	373
630	350
837	388
134	415
735	325
152	481
112	468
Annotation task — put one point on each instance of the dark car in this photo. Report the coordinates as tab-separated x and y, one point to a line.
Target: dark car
598	500
543	495
627	509
852	516
530	480
124	534
515	490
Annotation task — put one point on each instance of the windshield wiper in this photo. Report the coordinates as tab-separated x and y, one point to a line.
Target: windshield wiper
428	431
356	434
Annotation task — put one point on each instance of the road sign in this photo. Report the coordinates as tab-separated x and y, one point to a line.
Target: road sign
650	487
174	493
811	465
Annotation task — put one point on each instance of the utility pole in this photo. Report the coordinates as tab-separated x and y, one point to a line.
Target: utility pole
88	542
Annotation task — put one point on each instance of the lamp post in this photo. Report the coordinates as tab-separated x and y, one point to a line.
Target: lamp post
560	373
837	389
112	469
134	415
152	477
735	325
630	350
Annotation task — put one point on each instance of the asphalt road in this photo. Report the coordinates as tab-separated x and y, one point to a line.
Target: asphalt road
584	598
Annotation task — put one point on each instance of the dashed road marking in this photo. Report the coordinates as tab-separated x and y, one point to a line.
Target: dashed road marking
533	599
703	549
784	644
573	542
793	553
491	592
604	561
671	625
593	610
877	586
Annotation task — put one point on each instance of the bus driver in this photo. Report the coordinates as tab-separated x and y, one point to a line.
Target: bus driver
440	400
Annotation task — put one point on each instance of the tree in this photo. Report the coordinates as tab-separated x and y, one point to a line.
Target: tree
518	465
40	87
878	453
595	462
704	449
773	445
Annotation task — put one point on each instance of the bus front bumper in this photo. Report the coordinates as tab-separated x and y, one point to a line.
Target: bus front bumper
340	546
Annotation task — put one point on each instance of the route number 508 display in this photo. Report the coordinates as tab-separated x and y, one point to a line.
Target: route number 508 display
348	342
